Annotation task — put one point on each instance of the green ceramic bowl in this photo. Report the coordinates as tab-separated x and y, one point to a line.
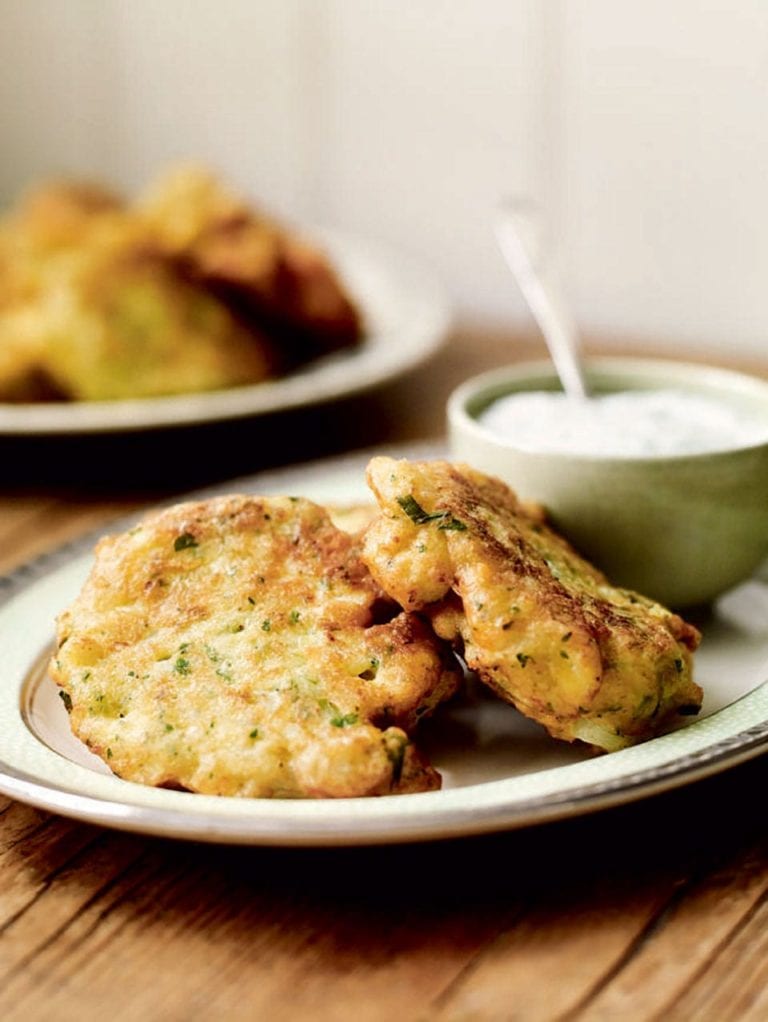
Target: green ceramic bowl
681	529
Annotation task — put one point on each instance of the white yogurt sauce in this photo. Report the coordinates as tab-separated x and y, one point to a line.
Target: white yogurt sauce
639	423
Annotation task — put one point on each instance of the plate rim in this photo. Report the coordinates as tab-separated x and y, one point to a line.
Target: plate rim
250	829
408	823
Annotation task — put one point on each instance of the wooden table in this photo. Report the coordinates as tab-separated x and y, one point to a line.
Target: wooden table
657	910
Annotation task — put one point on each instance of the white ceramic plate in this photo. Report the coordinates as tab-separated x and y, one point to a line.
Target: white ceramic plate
499	770
406	316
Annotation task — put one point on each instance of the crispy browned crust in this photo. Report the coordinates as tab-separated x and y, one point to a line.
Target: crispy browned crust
239	646
542	627
279	281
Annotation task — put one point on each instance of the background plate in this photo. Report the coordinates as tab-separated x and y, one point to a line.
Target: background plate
406	316
500	771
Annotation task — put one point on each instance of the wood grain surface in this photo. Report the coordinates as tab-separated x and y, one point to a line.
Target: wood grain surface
657	910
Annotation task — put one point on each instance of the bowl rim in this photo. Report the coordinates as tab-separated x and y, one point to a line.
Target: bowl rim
708	376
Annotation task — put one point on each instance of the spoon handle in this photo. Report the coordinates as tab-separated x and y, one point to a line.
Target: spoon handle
515	220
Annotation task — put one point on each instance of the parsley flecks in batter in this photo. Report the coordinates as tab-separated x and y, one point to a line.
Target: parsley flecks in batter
523	658
294	616
184	542
338	718
419	516
416	512
452	524
254	733
182	665
266	625
344	721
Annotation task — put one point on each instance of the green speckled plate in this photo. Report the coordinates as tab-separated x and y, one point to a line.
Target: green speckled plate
500	771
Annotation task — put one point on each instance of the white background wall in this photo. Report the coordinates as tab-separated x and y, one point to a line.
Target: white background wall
641	126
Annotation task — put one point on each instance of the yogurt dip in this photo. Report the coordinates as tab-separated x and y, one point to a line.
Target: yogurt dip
628	424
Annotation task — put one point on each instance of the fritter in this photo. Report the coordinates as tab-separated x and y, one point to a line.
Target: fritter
121	322
239	646
188	290
279	281
542	627
61	214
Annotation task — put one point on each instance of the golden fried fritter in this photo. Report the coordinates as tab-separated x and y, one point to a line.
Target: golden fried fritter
279	281
541	626
230	647
60	214
121	322
188	291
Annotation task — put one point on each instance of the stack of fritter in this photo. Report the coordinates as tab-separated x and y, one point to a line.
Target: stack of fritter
539	624
250	646
188	289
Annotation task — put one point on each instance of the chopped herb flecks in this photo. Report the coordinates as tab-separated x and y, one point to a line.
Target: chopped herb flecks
266	625
254	733
184	542
344	721
452	524
523	658
66	698
419	516
338	719
182	665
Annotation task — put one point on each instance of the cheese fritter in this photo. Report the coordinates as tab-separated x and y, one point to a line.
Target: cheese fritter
542	627
239	646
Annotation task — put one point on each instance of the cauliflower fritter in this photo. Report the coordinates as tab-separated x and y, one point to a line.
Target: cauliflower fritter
239	646
542	627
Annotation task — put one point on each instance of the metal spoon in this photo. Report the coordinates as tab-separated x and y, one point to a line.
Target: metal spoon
518	232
